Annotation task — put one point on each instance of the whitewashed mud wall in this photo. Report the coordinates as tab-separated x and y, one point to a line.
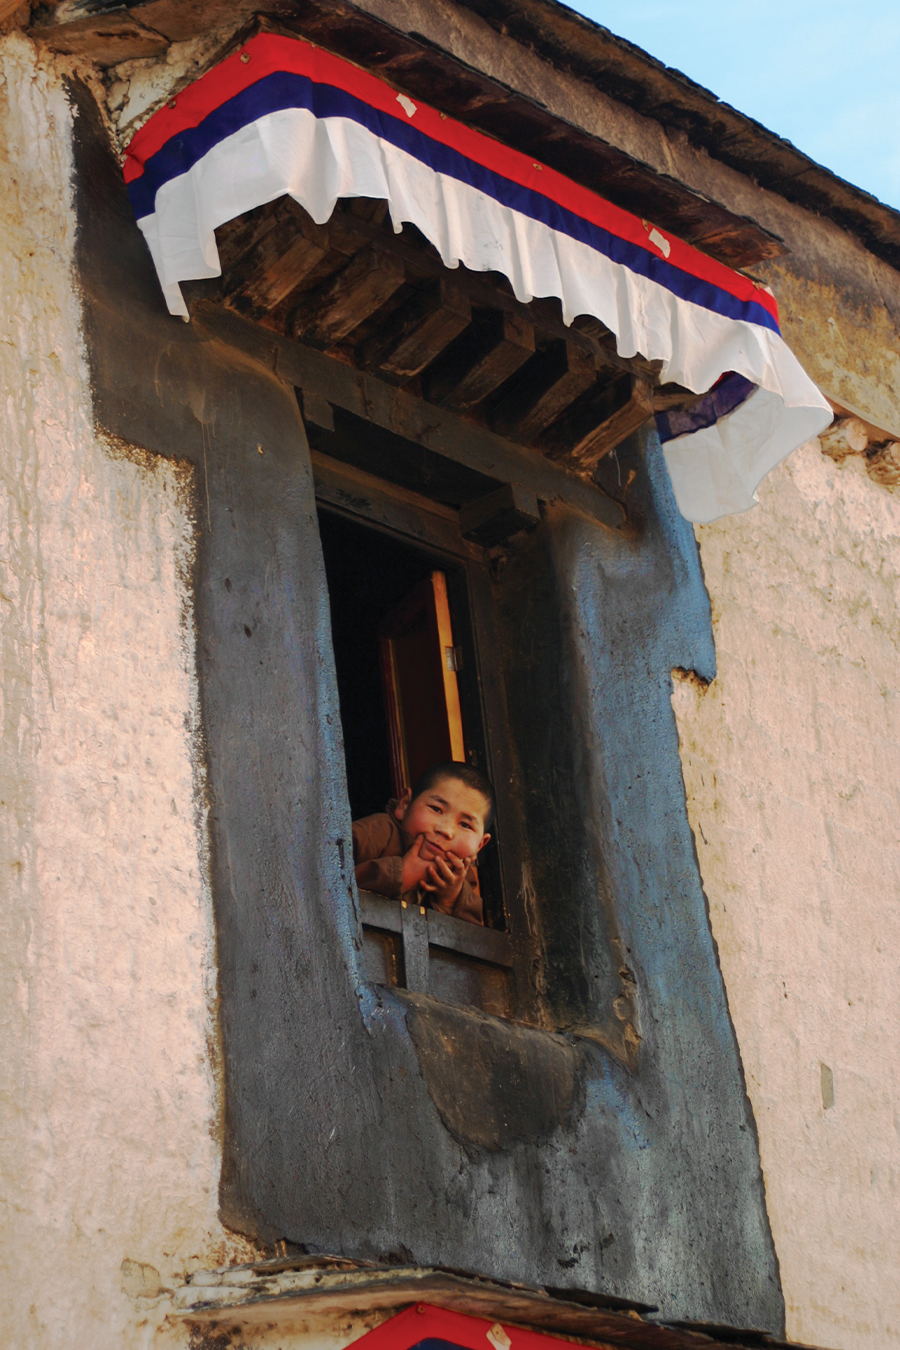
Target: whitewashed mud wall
109	1151
792	767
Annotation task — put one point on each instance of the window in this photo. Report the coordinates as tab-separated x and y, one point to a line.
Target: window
406	661
393	510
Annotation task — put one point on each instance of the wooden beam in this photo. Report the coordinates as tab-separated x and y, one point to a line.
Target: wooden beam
354	493
598	422
328	313
492	518
422	261
400	412
317	410
265	260
417	333
482	358
669	397
542	390
105	39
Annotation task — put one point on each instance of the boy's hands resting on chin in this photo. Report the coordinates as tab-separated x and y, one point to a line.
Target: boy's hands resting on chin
444	880
415	867
440	874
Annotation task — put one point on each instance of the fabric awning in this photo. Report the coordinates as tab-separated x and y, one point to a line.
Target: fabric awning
283	117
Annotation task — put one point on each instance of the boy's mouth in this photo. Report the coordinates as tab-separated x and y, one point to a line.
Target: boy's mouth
437	850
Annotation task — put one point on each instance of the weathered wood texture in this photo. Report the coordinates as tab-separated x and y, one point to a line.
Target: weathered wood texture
300	1285
417	333
385	304
483	358
329	312
600	420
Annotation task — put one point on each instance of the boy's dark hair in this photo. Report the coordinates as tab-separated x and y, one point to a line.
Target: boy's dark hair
463	773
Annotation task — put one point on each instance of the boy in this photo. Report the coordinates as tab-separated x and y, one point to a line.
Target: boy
421	849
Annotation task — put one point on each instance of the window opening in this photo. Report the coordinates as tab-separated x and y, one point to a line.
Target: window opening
391	606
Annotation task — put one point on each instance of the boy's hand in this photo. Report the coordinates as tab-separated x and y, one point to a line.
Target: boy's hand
444	879
415	867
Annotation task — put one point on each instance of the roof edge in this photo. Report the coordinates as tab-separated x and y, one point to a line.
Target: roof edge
627	73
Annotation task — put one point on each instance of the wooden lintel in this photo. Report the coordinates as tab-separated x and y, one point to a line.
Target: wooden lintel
417	333
543	388
352	492
482	358
328	313
400	412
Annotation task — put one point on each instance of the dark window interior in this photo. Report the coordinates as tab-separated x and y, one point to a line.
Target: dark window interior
369	574
418	667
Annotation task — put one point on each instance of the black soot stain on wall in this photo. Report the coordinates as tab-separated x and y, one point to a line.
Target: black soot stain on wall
368	1123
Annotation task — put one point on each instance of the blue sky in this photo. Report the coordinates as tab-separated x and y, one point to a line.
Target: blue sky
825	74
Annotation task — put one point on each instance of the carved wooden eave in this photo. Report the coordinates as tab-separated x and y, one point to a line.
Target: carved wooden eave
457	339
385	304
108	33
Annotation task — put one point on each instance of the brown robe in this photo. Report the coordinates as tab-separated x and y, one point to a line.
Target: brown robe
379	844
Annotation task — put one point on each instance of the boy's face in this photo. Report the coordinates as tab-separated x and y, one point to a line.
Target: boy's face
449	816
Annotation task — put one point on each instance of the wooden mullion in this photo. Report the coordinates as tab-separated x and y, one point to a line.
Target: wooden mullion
444	634
399	766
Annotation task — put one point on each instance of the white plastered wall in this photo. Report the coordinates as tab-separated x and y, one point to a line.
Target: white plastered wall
792	768
109	1149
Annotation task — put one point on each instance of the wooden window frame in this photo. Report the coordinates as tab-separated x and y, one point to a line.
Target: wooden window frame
413	519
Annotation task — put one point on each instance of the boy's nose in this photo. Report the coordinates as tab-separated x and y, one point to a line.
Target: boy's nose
445	828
